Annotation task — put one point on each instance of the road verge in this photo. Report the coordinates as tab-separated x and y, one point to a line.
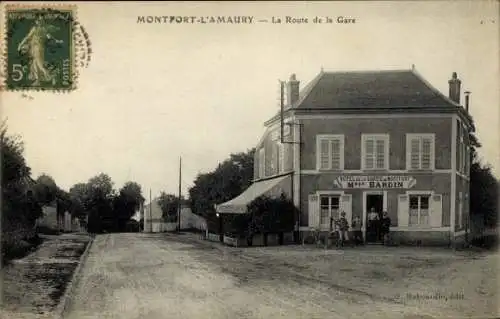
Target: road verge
70	288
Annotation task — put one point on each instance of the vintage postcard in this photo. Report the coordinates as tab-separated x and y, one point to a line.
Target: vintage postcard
226	160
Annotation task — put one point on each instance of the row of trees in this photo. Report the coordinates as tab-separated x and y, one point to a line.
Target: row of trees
107	209
23	197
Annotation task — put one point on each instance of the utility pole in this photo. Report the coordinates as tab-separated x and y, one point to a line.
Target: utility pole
150	226
179	199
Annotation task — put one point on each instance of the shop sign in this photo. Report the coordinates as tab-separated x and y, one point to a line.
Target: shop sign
377	182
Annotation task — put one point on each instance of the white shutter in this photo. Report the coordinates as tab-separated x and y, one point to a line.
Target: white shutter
314	211
426	153
335	154
346	206
380	154
403	210
436	205
324	154
415	153
369	154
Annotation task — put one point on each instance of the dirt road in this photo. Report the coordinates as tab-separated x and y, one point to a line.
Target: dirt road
172	276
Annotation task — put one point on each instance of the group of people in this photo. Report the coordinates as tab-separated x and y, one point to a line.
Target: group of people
378	228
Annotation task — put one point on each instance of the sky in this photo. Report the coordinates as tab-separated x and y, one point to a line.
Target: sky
155	92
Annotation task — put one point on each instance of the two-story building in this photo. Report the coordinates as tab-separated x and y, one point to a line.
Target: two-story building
353	141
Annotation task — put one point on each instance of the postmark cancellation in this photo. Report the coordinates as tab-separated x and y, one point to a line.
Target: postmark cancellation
39	53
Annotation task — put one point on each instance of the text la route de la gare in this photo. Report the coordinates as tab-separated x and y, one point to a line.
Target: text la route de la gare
241	20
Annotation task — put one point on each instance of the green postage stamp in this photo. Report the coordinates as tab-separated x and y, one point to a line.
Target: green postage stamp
39	48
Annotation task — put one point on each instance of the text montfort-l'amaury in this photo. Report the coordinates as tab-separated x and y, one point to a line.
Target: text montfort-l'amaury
160	19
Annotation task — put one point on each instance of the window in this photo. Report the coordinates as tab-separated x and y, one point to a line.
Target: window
329	208
262	171
420	151
330	152
419	210
375	151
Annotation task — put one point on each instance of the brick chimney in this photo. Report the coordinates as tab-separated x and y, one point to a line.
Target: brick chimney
455	84
292	90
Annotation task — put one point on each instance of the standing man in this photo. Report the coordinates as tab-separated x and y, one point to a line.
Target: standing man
385	226
373	219
343	229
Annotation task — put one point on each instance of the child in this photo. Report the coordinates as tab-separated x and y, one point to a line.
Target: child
334	234
356	228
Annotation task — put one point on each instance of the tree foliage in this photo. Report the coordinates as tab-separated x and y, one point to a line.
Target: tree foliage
45	190
227	181
169	205
265	215
19	206
484	186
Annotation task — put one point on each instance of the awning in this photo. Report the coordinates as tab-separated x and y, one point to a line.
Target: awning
238	205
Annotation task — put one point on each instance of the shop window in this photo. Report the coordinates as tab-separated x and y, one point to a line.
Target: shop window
329	208
419	210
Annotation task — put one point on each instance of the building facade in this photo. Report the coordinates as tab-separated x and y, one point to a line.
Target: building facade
386	140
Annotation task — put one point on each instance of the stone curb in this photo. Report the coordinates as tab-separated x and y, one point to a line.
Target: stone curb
70	288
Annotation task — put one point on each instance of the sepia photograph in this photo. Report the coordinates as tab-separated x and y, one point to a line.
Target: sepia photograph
249	159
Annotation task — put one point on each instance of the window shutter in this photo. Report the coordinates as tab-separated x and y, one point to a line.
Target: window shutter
313	211
346	206
403	211
380	154
369	154
324	154
426	153
415	153
436	205
335	155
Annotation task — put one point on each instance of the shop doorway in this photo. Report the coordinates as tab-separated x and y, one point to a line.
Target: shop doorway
375	202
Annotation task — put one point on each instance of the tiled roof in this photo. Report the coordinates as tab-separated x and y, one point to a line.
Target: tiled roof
370	89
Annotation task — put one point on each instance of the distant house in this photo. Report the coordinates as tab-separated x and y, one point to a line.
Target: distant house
59	222
153	218
155	223
354	141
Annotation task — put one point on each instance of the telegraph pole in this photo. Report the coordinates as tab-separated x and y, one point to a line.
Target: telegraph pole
150	226
179	199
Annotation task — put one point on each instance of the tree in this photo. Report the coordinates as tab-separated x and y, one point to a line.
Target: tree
18	204
132	194
100	203
169	205
45	189
126	203
80	199
227	181
484	187
100	186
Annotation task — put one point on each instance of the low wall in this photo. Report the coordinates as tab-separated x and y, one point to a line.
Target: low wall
423	238
260	240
